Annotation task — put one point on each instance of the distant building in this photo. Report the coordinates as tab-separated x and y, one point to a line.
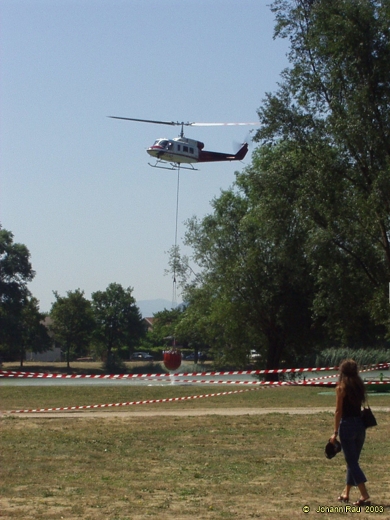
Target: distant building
50	355
149	322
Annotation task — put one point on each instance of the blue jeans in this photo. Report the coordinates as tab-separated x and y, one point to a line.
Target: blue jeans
352	435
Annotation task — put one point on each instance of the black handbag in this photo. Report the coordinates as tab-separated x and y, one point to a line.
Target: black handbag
368	417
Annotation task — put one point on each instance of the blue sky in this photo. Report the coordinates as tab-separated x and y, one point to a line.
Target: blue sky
75	186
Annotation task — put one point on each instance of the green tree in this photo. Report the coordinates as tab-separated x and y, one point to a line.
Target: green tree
212	323
342	294
164	326
15	273
33	334
73	323
331	117
119	325
255	289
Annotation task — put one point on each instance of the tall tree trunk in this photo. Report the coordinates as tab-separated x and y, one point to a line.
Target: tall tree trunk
274	353
67	355
21	356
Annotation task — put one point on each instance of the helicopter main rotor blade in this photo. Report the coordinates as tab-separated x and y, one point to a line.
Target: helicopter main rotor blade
172	123
222	124
178	123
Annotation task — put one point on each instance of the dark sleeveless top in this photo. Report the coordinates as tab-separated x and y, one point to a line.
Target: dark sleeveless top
350	409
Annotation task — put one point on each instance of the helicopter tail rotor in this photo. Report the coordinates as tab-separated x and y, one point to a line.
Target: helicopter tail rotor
248	140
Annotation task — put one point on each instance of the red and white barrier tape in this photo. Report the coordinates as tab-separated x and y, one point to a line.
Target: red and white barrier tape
261	384
41	375
115	405
336	375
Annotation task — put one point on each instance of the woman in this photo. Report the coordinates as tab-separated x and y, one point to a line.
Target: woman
350	394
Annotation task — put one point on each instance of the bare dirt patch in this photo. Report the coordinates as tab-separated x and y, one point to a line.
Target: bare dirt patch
168	413
125	413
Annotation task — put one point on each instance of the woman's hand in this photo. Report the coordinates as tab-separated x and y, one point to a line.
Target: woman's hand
333	438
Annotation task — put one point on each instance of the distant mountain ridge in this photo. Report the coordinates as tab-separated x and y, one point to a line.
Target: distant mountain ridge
150	307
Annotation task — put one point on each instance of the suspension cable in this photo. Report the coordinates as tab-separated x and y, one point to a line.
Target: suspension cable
174	290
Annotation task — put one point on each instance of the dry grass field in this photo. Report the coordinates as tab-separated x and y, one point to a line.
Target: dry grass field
226	462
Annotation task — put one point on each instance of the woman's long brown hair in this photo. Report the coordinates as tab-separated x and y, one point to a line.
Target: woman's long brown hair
351	383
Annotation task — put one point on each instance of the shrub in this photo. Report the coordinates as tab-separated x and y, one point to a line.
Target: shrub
334	356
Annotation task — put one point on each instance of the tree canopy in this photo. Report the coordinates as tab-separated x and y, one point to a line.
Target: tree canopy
119	324
15	270
296	254
72	323
15	273
255	290
331	118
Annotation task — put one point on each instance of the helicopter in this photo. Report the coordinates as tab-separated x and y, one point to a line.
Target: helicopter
181	150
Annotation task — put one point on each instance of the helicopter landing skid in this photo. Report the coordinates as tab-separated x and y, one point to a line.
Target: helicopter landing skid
174	166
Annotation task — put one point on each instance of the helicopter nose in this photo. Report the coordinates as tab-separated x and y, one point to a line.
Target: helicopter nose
154	150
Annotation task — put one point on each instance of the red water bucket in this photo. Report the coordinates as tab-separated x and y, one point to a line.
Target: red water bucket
172	359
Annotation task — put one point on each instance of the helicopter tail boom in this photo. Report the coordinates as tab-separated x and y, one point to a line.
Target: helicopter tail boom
205	156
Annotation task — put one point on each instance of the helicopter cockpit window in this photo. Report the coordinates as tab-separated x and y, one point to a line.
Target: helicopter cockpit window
163	143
